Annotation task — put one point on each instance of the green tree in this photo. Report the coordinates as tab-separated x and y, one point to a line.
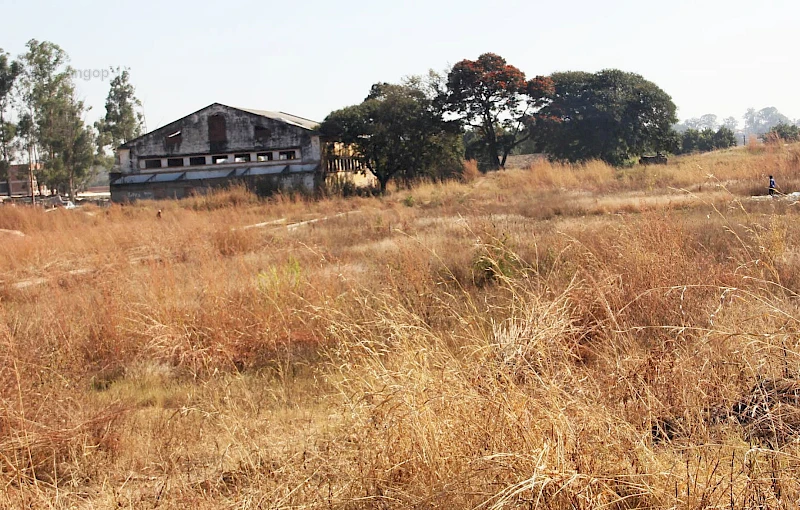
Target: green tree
46	83
123	120
724	138
693	140
26	133
444	148
610	115
709	121
682	127
782	132
495	100
398	131
761	121
74	146
9	71
750	122
731	123
706	140
54	130
690	141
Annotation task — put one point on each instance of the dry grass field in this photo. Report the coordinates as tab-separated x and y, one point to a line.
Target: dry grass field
548	337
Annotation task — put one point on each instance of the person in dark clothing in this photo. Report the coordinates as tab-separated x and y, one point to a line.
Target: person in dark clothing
772	186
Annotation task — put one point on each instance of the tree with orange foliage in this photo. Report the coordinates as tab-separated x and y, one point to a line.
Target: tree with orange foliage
494	98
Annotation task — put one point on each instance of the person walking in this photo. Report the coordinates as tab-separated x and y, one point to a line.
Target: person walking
772	186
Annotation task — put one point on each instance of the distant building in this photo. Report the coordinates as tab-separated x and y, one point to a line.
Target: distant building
217	146
18	183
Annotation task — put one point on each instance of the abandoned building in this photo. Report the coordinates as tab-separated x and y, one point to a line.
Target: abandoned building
220	145
18	183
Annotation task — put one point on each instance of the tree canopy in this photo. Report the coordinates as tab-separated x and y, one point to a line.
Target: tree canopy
761	121
610	115
782	132
52	121
694	140
123	119
397	130
495	100
9	72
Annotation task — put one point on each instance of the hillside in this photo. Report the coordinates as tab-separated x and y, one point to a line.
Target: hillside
548	337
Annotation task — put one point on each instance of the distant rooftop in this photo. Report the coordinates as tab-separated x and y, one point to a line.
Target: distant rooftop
283	117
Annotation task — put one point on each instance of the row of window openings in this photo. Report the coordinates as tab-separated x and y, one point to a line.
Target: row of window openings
216	130
217	160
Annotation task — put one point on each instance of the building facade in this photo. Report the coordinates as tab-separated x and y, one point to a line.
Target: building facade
217	146
19	179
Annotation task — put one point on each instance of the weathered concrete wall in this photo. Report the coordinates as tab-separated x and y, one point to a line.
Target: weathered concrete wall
262	185
241	132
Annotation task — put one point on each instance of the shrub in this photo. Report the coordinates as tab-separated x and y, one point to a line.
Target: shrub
782	133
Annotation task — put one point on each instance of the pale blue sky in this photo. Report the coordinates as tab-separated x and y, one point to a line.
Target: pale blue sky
309	58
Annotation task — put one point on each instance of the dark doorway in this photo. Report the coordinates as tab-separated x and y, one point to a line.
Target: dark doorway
217	133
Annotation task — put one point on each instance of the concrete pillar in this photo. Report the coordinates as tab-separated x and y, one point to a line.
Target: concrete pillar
124	156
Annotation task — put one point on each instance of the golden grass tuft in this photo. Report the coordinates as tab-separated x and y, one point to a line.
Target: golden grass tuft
233	196
469	171
590	175
235	242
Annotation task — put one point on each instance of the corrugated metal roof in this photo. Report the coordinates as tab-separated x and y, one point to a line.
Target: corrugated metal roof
213	174
167	177
133	179
283	117
266	170
209	174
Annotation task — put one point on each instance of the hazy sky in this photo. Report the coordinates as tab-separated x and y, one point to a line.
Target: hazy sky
309	58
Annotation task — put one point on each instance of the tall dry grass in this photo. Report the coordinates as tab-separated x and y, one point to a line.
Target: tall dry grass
747	170
470	171
591	175
559	337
